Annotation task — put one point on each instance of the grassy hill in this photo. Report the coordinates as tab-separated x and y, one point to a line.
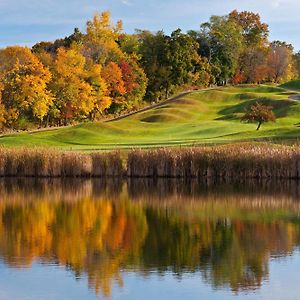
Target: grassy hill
292	85
201	117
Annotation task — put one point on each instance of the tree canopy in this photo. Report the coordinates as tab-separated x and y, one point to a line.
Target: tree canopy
106	71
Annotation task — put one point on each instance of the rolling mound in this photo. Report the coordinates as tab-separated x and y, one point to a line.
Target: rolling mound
162	117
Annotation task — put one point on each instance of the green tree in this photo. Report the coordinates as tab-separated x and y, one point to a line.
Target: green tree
168	61
154	56
183	57
51	47
296	63
223	46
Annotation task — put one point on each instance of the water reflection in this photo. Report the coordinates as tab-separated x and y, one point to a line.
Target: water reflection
99	229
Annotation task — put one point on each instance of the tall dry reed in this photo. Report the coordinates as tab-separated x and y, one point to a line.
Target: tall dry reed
230	161
54	163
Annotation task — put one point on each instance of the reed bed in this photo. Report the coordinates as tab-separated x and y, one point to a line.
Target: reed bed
242	161
55	163
238	162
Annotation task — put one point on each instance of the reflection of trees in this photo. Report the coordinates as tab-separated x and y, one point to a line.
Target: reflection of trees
91	237
239	253
227	239
228	253
24	232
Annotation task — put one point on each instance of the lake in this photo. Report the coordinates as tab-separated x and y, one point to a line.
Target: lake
149	239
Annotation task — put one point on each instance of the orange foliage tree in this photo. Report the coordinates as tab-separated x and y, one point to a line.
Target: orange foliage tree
112	74
259	113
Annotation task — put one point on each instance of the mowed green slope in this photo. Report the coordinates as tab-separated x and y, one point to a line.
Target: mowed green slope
202	117
292	85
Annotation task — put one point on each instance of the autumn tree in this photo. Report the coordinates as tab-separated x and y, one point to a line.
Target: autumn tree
235	47
260	114
2	109
253	65
77	87
280	61
135	81
116	87
105	44
10	55
101	39
24	87
255	32
252	60
102	99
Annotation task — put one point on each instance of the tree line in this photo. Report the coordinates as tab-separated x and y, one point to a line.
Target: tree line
105	71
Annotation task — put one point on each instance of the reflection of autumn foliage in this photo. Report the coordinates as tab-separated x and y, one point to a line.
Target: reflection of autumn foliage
90	237
227	237
24	232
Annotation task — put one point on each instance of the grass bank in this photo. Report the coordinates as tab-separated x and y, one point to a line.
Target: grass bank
201	117
292	85
244	161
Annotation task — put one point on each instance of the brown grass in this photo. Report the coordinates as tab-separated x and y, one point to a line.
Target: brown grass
230	161
239	162
54	163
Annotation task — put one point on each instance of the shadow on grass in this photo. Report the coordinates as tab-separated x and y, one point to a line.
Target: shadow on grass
280	107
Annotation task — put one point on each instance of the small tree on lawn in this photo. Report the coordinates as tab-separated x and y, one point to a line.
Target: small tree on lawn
259	113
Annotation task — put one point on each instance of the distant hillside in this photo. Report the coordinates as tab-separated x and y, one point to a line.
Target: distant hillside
208	116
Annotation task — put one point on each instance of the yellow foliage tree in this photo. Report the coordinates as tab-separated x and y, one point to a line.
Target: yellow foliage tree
101	38
100	88
10	55
25	89
75	97
80	90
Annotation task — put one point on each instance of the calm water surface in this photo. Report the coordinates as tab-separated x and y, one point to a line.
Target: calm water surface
144	239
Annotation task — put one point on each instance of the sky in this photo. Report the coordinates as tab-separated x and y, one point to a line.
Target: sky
25	22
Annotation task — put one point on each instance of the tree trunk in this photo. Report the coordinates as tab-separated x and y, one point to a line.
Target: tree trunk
47	120
167	91
259	124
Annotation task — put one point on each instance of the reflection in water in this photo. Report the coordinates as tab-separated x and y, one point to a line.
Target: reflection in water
99	229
